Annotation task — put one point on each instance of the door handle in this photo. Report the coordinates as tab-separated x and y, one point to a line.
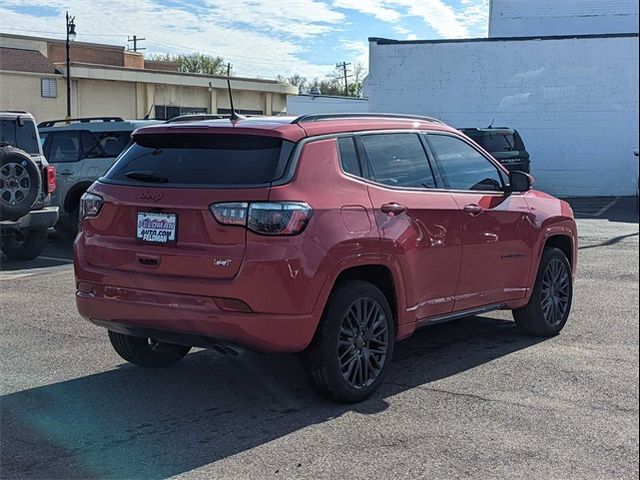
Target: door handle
65	173
393	208
473	209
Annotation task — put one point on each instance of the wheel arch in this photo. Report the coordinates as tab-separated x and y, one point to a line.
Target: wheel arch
382	273
562	236
562	242
73	195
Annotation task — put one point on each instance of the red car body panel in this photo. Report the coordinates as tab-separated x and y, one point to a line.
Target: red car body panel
440	258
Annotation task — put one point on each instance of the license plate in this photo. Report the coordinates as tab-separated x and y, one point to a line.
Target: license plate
157	227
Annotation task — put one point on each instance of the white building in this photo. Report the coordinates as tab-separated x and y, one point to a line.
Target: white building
304	104
573	96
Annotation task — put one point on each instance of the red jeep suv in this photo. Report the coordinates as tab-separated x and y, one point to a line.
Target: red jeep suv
330	235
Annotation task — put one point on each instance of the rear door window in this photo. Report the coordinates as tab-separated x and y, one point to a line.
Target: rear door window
398	160
64	147
90	146
202	160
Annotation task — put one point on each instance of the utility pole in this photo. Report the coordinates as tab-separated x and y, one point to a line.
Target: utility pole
135	41
71	35
344	66
228	65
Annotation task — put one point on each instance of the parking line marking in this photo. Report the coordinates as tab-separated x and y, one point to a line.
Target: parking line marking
607	206
56	259
16	274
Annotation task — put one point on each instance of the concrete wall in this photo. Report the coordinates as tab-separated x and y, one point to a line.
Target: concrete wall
309	104
575	101
521	18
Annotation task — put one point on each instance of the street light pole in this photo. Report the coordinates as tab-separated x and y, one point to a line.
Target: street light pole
71	35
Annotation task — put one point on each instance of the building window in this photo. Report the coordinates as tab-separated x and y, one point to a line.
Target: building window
227	111
49	87
165	112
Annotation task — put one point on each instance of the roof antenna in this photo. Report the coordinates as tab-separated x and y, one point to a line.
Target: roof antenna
235	116
146	117
491	124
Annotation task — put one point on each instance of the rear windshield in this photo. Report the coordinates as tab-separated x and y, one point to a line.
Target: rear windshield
21	134
498	143
202	159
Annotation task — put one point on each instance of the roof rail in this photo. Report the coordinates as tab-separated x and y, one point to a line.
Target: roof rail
51	123
15	111
196	117
331	116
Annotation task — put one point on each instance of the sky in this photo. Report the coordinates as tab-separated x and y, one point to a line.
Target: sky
260	38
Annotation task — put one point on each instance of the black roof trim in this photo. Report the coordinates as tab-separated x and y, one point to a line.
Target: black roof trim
388	41
51	123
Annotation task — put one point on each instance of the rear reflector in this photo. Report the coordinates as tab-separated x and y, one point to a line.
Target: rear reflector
232	305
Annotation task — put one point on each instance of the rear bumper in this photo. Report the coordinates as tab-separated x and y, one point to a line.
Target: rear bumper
130	310
34	220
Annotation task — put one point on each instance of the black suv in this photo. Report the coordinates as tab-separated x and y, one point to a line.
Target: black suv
504	144
26	183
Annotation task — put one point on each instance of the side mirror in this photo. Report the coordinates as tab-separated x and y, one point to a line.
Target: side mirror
519	182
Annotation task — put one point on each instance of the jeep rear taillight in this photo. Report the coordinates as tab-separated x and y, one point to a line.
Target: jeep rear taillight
265	218
50	175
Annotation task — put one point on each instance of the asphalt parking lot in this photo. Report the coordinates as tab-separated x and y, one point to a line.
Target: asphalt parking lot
472	398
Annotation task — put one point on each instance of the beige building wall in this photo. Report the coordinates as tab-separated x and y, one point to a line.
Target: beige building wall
181	96
104	98
21	91
130	95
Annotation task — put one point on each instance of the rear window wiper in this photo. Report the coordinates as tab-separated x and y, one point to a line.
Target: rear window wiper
150	177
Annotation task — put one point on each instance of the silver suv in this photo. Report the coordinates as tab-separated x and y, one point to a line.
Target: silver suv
82	149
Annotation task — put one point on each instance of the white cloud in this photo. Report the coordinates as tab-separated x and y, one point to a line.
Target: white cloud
260	49
377	8
359	51
446	20
438	15
260	37
475	16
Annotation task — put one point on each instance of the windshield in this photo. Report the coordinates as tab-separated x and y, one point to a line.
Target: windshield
20	134
498	143
199	159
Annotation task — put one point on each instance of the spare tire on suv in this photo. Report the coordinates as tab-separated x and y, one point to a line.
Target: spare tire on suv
20	183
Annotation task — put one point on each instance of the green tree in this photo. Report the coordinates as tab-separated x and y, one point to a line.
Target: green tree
193	62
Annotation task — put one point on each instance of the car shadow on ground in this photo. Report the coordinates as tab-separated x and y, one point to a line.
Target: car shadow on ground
131	422
57	252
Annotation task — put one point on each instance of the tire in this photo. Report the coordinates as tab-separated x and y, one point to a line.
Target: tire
67	227
548	309
29	247
20	183
146	352
337	338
